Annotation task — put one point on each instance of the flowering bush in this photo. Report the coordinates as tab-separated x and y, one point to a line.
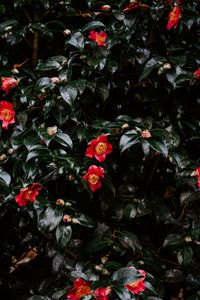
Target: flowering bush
99	149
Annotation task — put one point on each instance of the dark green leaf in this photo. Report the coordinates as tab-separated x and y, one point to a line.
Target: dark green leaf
52	217
63	235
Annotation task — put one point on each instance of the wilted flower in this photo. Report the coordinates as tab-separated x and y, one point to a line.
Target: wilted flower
93	176
146	134
60	202
7	114
81	288
102	293
8	83
99	148
137	286
174	17
98	37
196	74
28	194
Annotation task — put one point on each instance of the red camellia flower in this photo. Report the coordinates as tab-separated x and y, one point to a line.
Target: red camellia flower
98	37
8	83
99	148
198	174
7	114
133	5
93	176
196	74
81	288
174	17
137	286
102	293
28	194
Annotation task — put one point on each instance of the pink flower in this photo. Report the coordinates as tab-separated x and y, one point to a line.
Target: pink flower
93	176
28	194
8	83
198	174
99	148
137	286
7	114
98	37
81	288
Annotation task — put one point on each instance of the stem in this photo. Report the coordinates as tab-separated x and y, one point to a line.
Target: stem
35	48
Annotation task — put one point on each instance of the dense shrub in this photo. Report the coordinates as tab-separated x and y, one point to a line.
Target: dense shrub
99	149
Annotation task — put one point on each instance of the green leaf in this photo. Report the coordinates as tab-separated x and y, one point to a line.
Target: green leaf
130	211
77	40
63	235
129	139
69	92
84	221
185	255
173	240
52	217
126	275
152	64
158	146
129	240
122	292
92	25
63	139
5	178
97	244
37	297
8	23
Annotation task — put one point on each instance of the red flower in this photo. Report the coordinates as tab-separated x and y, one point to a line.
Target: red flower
93	176
99	148
198	174
81	288
28	194
98	37
174	17
137	286
7	114
105	7
196	74
102	293
8	84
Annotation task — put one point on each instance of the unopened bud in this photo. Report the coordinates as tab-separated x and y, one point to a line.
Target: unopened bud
67	219
75	221
2	157
160	71
146	134
10	151
8	28
67	32
141	262
65	62
105	7
188	239
60	202
52	130
125	126
55	80
104	259
167	66
71	177
14	71
98	267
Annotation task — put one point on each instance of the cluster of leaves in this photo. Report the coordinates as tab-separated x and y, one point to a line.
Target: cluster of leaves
85	69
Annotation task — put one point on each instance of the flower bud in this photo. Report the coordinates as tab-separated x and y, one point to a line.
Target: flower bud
14	71
67	219
55	80
188	239
160	71
125	126
52	130
10	151
60	202
146	134
105	7
71	177
167	66
67	32
2	156
98	267
8	28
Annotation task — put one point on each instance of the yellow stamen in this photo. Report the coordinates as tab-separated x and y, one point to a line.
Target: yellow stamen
101	148
93	179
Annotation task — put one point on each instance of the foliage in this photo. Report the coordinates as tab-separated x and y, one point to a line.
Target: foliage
85	69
